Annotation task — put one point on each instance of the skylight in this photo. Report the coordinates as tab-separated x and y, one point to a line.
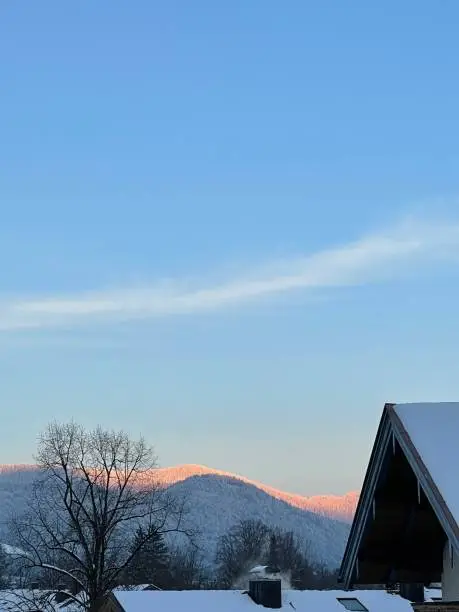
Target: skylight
352	604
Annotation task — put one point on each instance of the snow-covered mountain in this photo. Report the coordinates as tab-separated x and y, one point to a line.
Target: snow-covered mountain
341	507
217	500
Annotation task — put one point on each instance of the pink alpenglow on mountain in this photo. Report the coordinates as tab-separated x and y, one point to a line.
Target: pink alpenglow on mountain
335	506
340	507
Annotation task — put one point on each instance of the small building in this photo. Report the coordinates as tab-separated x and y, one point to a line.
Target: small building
406	526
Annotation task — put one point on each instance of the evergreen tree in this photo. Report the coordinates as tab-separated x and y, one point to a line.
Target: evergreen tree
149	565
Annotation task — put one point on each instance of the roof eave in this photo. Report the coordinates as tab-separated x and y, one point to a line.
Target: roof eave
383	438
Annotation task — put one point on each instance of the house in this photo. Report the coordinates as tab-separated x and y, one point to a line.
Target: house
240	601
135	600
406	526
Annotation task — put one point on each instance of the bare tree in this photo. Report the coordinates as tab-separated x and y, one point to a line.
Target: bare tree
244	546
250	543
286	554
186	569
95	490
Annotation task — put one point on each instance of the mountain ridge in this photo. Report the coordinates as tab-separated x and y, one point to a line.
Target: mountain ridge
340	507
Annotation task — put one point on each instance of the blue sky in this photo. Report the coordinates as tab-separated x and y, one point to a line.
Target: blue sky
232	227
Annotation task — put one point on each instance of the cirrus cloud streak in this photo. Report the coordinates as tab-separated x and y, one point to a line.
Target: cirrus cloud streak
380	257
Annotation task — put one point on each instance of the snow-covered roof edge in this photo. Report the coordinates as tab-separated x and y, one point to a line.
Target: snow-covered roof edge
238	601
427	482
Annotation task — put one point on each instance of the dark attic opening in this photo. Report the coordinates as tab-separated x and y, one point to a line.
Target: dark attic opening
402	541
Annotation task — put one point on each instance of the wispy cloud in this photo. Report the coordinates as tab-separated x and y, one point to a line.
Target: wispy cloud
374	258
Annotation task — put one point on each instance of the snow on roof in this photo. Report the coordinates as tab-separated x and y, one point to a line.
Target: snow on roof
434	431
258	568
24	600
184	601
432	593
11	550
237	601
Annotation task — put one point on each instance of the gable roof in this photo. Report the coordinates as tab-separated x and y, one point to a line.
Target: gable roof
423	440
237	601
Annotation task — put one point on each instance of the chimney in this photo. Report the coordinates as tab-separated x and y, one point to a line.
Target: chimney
414	592
267	593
